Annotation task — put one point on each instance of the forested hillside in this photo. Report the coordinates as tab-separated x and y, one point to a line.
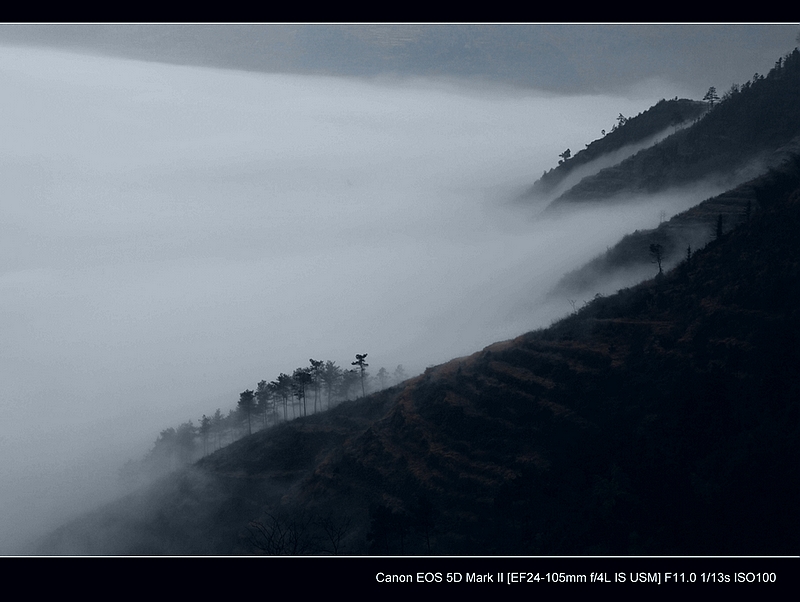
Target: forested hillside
661	420
625	133
747	124
744	123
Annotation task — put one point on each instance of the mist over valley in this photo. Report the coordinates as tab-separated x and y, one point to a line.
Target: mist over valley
174	234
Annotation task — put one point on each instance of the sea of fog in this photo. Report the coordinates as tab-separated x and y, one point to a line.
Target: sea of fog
170	236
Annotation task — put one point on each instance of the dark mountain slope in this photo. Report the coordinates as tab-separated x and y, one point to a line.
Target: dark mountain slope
205	509
660	420
659	118
630	259
749	123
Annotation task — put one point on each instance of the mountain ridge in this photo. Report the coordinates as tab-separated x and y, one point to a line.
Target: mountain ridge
664	116
748	124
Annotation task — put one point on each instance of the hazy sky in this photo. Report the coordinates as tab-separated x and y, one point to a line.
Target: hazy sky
172	234
559	57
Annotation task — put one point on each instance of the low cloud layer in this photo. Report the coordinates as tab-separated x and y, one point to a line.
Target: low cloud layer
173	235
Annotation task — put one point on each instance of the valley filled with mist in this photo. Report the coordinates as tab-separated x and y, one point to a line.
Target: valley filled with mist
173	235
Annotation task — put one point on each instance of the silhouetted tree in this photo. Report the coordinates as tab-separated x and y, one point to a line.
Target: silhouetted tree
657	254
573	303
263	398
331	375
276	536
711	96
246	406
302	378
316	374
233	423
732	91
362	365
283	387
205	429
335	530
217	426
718	233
